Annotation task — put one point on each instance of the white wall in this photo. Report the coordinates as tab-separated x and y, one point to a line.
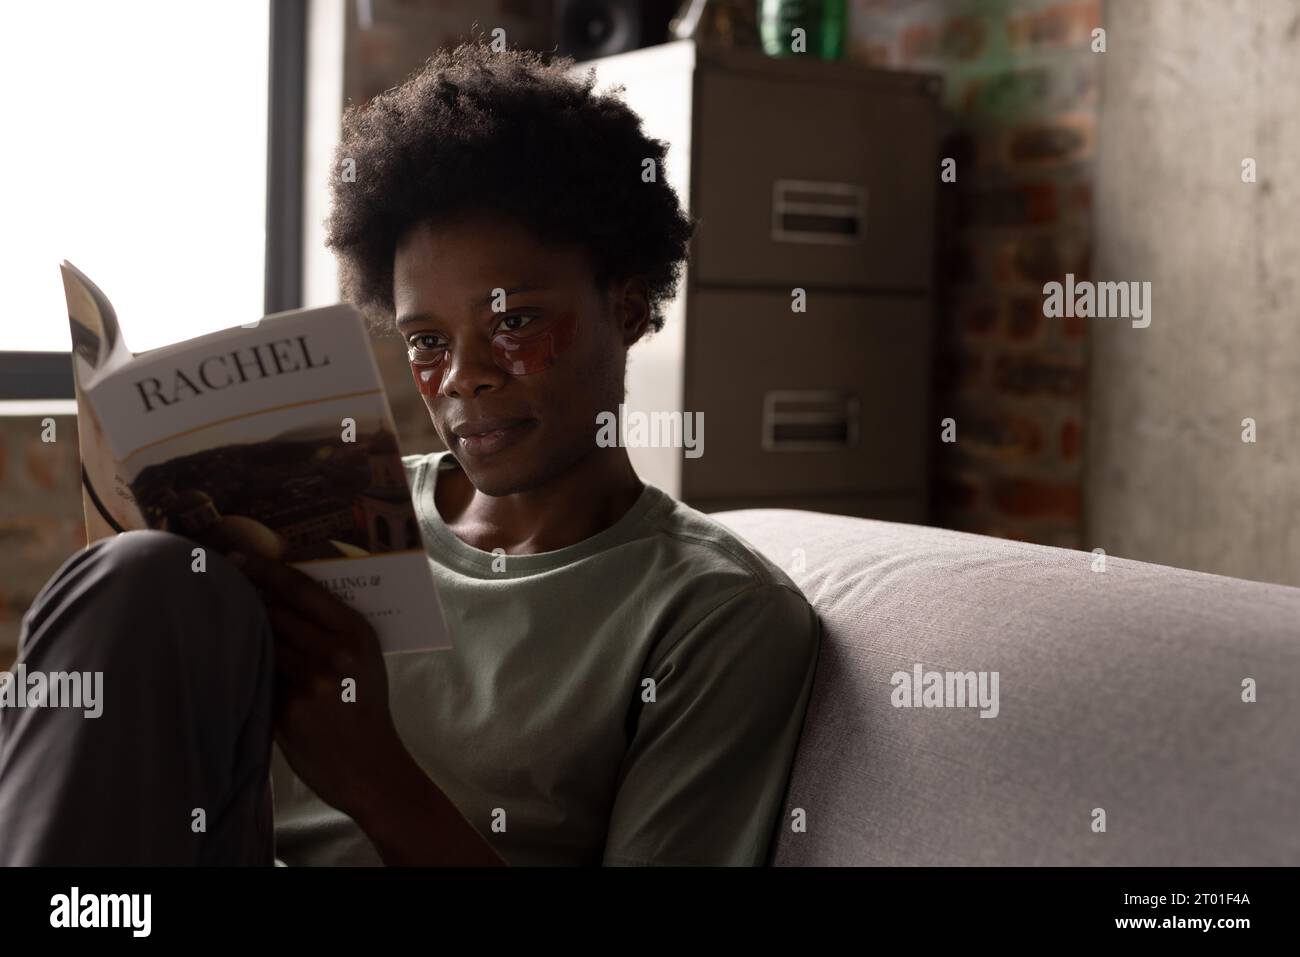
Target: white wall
1190	89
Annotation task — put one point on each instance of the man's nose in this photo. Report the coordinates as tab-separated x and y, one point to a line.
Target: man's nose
470	369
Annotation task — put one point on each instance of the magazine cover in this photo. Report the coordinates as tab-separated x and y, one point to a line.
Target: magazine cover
273	438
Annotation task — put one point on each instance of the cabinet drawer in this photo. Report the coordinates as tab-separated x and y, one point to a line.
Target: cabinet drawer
814	183
829	401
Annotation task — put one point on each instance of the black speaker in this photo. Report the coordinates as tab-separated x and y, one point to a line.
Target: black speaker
586	29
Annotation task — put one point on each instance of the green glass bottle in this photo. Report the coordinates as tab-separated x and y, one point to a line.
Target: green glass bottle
823	22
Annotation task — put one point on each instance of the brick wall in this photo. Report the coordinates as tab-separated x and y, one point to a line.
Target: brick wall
41	523
1021	97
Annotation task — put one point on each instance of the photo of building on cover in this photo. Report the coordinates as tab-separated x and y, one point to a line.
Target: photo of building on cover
299	496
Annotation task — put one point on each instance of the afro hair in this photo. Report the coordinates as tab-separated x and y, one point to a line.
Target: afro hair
509	133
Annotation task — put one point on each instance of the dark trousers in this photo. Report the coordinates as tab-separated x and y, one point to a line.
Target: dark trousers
176	767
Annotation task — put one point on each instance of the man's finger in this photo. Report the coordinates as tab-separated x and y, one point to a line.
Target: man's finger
299	633
289	586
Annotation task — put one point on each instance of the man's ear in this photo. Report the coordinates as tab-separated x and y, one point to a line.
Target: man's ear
631	302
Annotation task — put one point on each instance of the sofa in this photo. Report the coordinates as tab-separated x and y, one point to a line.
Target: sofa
1125	733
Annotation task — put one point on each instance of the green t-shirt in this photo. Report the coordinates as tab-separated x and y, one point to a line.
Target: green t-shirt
539	719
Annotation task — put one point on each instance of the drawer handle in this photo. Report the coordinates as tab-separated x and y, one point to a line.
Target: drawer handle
811	211
809	421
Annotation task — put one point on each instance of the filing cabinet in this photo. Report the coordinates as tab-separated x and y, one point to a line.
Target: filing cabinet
809	176
811	183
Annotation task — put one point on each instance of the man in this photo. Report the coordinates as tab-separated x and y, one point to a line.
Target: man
628	680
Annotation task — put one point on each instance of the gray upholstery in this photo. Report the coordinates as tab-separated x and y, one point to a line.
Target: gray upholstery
1119	690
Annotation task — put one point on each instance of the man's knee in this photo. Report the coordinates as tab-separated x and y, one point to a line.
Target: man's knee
151	553
126	590
152	566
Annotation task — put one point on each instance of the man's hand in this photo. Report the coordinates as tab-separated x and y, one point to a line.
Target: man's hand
334	726
332	720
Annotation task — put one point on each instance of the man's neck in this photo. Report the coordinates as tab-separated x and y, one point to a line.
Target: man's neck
583	501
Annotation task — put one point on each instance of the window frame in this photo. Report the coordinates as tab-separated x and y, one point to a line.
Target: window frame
47	376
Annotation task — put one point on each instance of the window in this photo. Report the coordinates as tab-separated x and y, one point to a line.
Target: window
134	146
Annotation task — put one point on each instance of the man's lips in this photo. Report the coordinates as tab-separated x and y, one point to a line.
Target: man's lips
476	427
485	436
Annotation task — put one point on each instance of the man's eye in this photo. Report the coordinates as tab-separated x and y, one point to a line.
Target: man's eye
425	342
515	323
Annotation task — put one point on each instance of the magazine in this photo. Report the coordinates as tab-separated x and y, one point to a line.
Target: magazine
273	438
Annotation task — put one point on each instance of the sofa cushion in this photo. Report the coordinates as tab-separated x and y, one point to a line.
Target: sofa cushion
1118	690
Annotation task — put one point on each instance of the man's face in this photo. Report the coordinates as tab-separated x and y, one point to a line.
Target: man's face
509	432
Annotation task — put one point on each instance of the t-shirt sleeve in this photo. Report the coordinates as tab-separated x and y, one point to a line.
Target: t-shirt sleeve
705	775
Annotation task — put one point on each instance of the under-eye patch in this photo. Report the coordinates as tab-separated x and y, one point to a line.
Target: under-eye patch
526	351
535	347
428	374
